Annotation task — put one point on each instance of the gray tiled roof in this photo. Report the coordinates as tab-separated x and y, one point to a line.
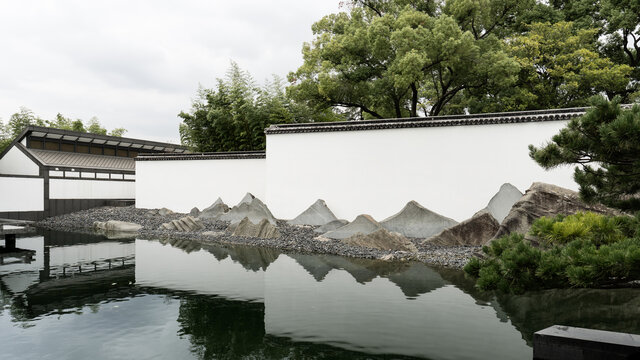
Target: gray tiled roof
203	156
433	121
69	159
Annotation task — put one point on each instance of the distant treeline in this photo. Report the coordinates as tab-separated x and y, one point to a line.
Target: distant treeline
25	117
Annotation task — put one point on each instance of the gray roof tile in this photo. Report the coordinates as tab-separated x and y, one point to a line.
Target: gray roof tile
79	160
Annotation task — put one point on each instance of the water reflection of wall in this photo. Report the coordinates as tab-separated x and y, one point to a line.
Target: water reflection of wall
163	266
245	301
377	317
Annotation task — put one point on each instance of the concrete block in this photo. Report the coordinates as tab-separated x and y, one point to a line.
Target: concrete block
571	343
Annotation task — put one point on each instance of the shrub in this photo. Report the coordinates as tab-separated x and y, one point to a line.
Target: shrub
581	250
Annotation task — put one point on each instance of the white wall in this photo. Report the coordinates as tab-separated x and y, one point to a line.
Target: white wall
91	189
21	194
86	253
182	184
15	162
452	170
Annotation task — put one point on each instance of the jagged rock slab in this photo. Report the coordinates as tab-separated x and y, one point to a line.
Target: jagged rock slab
215	210
185	224
194	212
382	239
416	221
502	202
164	211
255	210
317	214
247	199
335	224
264	229
363	224
475	231
113	225
545	200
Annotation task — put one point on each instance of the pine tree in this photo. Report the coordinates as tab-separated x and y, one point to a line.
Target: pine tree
605	144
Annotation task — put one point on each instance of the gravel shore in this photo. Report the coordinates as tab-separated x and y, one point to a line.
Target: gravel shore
300	239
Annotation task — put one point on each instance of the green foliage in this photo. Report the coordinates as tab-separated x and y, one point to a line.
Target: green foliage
581	250
399	58
559	67
399	62
604	143
25	117
233	116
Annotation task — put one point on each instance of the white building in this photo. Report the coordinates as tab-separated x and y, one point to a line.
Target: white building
47	172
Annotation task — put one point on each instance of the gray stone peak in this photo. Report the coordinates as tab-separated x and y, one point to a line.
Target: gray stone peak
247	198
502	202
331	226
215	210
316	214
416	221
255	210
363	224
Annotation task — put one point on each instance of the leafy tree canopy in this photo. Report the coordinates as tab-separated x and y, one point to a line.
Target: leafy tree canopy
25	117
233	116
397	63
604	144
559	67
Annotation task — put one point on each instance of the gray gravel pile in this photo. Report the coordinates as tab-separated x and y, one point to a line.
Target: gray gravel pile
294	238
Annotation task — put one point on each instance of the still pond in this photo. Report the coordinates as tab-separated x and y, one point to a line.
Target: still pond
85	296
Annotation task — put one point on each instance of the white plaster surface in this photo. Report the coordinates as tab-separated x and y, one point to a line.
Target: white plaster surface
91	189
21	194
182	184
15	162
452	170
70	255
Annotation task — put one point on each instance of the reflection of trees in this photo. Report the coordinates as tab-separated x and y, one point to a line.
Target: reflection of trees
220	328
602	309
225	329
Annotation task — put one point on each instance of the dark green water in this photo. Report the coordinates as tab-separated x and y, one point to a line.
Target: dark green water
184	301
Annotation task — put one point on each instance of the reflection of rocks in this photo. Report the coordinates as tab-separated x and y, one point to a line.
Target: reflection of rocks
316	214
475	231
416	221
417	279
186	224
363	224
250	257
313	264
382	239
330	226
545	200
412	278
185	245
264	229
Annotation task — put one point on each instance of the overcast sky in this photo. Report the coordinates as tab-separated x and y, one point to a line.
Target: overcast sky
136	64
